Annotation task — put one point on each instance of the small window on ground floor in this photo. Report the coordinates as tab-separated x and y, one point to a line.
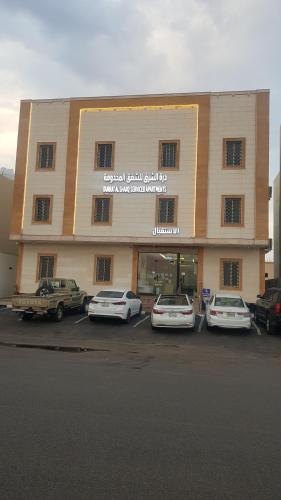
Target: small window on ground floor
231	273
46	266
103	269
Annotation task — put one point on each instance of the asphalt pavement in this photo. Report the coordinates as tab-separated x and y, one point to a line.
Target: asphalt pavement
139	425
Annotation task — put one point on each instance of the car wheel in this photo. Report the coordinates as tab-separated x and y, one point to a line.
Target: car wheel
58	315
92	318
128	317
268	325
84	306
140	310
26	317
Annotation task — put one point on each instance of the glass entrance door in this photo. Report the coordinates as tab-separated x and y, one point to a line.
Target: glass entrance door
167	273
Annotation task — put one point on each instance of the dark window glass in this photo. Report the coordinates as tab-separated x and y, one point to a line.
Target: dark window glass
172	300
42	209
46	266
103	270
229	302
166	210
104	155
110	294
231	274
168	155
232	211
234	152
101	213
46	156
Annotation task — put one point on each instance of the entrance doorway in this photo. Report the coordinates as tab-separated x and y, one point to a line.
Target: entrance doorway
167	273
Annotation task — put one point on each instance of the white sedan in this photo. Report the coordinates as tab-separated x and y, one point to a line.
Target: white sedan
173	311
228	311
116	303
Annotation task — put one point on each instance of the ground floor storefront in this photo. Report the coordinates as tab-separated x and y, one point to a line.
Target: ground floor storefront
145	269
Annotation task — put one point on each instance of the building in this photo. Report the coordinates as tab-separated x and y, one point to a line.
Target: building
276	226
158	193
269	270
8	249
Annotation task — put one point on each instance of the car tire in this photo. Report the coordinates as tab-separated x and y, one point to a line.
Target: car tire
210	328
58	315
26	317
128	317
268	325
92	318
140	310
84	306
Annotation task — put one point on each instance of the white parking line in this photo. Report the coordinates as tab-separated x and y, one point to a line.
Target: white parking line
256	327
201	322
79	320
142	320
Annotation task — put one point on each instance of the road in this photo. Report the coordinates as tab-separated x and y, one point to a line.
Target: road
198	422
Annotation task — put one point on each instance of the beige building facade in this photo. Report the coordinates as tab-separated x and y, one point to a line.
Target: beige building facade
158	193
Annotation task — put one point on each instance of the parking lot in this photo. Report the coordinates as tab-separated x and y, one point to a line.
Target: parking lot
76	330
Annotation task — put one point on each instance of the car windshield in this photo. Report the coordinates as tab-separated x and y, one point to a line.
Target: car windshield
172	300
229	302
110	294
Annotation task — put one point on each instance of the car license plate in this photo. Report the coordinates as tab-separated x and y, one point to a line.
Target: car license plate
172	315
231	315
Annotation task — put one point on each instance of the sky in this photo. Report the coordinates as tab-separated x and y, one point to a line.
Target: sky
80	48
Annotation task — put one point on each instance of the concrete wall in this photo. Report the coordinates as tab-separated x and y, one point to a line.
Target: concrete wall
136	135
231	116
8	264
6	200
49	122
8	249
250	270
77	261
269	270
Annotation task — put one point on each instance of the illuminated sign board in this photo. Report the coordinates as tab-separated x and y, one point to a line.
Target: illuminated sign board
138	182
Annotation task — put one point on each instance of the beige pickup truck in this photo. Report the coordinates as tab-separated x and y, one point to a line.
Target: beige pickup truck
52	298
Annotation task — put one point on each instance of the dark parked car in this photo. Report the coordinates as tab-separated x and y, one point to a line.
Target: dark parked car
268	309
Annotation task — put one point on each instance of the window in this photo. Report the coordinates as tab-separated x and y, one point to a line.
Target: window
102	210
46	266
169	155
234	153
232	210
104	155
166	210
130	295
231	273
42	209
103	269
46	153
